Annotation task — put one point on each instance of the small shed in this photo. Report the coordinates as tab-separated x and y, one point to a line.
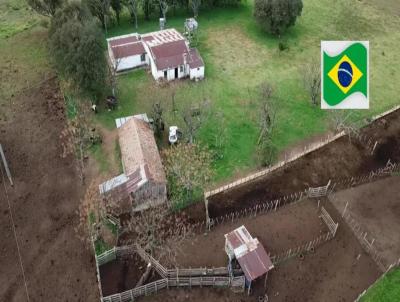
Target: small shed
249	252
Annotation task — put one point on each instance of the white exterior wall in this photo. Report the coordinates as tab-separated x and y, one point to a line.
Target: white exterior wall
197	73
130	62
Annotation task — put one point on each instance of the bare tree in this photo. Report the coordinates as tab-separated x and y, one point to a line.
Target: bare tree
78	136
133	7
194	116
267	113
113	69
164	8
312	81
195	5
188	169
267	109
341	120
158	231
157	111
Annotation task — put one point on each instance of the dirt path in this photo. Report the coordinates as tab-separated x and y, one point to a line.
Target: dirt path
45	199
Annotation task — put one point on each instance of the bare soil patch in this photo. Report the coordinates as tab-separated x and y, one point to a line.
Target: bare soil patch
45	201
121	275
376	207
339	159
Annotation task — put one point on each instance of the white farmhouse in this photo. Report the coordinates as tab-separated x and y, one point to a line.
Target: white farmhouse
165	52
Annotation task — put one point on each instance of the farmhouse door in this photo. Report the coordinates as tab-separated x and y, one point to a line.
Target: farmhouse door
176	73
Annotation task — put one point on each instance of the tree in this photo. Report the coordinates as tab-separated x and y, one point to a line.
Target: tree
157	115
267	111
116	5
193	117
78	49
46	7
148	7
163	8
195	5
100	9
312	81
133	7
159	232
79	136
188	170
275	16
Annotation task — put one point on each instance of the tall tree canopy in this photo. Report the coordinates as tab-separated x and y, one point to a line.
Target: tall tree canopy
76	43
276	16
45	7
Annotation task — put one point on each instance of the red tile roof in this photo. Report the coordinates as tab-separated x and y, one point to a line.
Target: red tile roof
125	40
169	55
127	50
195	59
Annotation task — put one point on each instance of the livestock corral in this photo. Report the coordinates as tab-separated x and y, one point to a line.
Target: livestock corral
315	257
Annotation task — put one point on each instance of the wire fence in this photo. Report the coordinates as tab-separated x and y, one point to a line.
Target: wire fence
362	237
311	245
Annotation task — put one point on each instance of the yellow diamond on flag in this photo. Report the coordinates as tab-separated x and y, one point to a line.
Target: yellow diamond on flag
350	76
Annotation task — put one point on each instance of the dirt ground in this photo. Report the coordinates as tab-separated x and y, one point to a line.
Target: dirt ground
278	231
121	275
376	206
340	159
45	201
337	271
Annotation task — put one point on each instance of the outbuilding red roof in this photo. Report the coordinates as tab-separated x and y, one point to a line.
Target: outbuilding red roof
249	252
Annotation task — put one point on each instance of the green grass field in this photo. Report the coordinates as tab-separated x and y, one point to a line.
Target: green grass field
386	290
239	56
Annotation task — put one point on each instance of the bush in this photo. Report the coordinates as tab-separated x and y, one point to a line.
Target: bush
275	16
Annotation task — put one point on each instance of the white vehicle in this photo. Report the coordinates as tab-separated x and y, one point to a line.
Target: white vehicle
173	134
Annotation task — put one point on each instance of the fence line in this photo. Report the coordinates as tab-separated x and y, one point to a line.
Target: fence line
391	267
153	287
306	150
361	235
303	248
263	207
368	141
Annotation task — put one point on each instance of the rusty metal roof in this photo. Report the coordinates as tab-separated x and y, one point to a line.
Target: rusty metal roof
249	252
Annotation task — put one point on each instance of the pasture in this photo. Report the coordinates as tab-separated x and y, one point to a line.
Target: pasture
239	57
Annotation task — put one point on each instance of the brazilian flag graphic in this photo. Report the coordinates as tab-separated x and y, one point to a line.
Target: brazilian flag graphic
344	74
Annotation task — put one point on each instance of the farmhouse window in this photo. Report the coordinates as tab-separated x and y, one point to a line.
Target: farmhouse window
181	68
143	57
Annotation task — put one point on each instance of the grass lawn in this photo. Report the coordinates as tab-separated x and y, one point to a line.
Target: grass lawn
386	290
239	56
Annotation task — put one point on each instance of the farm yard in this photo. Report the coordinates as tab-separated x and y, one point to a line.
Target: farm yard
239	57
58	262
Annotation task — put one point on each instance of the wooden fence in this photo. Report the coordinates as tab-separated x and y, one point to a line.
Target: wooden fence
302	249
154	287
332	226
362	237
264	207
306	150
312	244
369	143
